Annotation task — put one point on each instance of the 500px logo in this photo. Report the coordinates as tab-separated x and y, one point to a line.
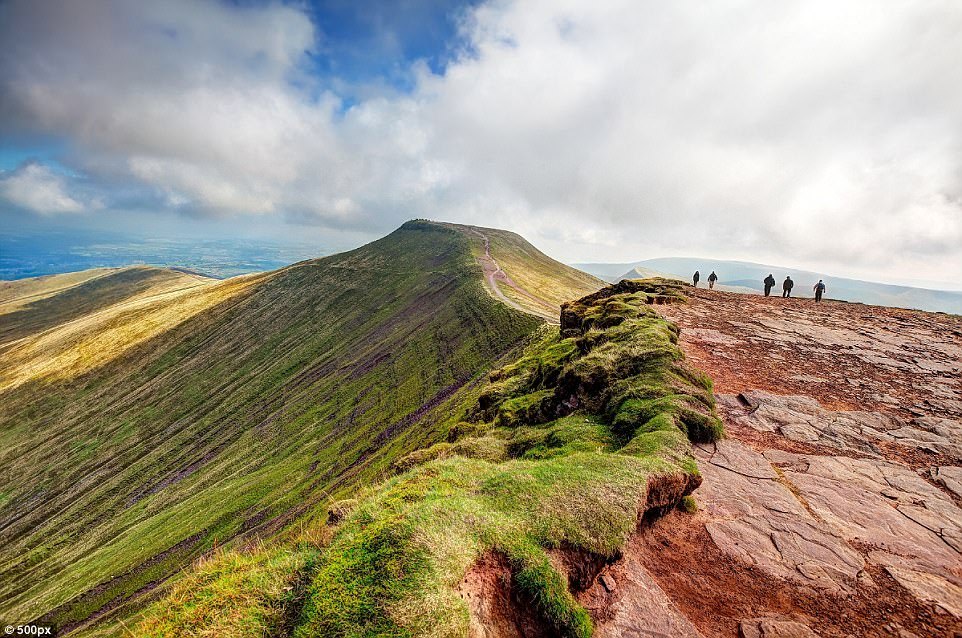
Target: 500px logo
28	630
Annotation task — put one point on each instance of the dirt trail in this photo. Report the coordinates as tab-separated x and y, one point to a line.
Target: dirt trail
493	273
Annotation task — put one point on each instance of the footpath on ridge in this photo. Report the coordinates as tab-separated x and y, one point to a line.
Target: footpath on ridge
494	277
832	508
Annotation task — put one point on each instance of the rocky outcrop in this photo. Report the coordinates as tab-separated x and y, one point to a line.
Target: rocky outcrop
840	487
861	432
576	317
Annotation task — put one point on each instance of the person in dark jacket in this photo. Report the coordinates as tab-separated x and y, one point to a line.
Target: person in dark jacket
695	278
819	289
769	284
787	286
712	278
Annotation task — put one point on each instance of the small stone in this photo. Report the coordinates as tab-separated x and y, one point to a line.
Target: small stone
607	583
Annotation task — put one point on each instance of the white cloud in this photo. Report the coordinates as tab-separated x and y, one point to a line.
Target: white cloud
36	188
811	132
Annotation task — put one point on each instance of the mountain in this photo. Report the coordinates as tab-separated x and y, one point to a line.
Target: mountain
585	489
420	438
539	485
738	276
148	415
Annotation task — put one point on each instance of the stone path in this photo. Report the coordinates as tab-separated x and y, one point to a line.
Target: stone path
844	458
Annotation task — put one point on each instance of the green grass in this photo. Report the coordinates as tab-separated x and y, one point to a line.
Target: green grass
578	481
688	504
233	595
312	381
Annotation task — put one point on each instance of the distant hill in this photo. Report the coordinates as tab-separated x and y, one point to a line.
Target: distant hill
740	276
640	272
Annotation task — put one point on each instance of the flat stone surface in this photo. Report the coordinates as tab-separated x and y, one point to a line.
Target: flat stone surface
803	419
858	412
847	356
757	520
913	528
881	504
949	477
774	628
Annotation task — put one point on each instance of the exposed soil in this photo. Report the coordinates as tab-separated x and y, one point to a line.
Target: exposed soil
496	608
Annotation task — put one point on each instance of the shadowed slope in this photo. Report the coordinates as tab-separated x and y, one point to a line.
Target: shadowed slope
305	382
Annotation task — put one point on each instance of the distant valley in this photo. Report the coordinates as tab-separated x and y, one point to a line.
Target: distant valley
27	254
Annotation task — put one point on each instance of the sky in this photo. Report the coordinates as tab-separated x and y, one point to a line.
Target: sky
819	134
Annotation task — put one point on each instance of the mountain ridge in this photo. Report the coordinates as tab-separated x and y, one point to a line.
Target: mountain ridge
396	441
117	472
741	275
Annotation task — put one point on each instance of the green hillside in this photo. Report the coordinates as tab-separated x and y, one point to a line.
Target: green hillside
196	418
557	461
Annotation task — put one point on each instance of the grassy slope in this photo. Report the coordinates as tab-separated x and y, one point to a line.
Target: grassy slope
80	328
525	474
301	384
544	278
47	302
15	293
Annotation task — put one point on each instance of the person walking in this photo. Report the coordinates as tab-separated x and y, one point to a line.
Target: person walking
787	286
819	289
769	284
695	278
712	278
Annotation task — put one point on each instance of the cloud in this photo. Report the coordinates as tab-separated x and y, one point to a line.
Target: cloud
36	188
811	132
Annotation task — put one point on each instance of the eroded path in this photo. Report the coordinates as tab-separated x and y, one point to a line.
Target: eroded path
833	508
494	276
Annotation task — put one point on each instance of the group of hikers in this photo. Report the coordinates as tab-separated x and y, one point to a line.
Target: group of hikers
769	282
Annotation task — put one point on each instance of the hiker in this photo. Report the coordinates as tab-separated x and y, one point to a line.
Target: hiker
712	278
787	286
769	284
819	289
695	279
